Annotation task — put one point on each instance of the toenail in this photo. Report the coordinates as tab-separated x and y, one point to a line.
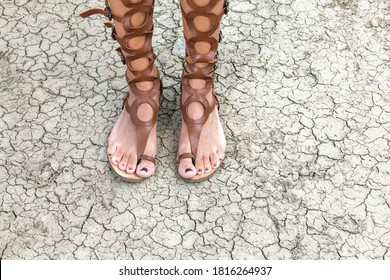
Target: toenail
207	169
122	164
188	170
200	170
110	155
215	165
144	169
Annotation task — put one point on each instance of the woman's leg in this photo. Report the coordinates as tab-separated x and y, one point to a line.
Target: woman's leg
202	138
132	143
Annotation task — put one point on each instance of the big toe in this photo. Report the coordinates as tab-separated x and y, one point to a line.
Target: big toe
145	169
186	169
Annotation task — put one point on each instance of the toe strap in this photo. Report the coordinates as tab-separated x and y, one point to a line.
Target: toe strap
185	155
149	158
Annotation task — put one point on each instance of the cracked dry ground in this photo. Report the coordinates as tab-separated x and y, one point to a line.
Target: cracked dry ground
304	91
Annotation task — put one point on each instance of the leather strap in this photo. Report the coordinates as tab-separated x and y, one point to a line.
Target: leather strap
185	155
94	12
129	54
149	158
193	71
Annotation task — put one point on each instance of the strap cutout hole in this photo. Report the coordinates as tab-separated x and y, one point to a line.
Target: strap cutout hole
139	64
202	47
136	43
197	83
138	19
128	3
201	3
202	23
144	86
195	110
145	112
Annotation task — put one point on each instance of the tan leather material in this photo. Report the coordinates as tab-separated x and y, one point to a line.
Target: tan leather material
128	55
193	71
149	158
185	155
94	12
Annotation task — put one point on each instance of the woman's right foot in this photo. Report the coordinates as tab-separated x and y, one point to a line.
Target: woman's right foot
123	142
132	143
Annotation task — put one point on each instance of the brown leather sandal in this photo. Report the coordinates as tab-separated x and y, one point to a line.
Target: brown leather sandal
192	71
132	76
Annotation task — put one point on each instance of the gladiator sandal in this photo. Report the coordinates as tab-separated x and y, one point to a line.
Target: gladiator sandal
192	70
150	73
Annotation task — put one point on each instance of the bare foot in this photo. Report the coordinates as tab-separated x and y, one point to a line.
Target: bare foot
211	146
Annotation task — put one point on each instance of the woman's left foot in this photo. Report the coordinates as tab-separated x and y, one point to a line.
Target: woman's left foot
211	145
202	141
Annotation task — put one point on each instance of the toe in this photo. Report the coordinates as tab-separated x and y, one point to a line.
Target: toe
221	153
186	168
117	157
214	159
131	164
145	168
111	150
206	164
123	163
199	165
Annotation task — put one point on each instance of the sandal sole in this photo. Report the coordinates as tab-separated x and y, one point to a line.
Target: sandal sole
133	178
199	178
